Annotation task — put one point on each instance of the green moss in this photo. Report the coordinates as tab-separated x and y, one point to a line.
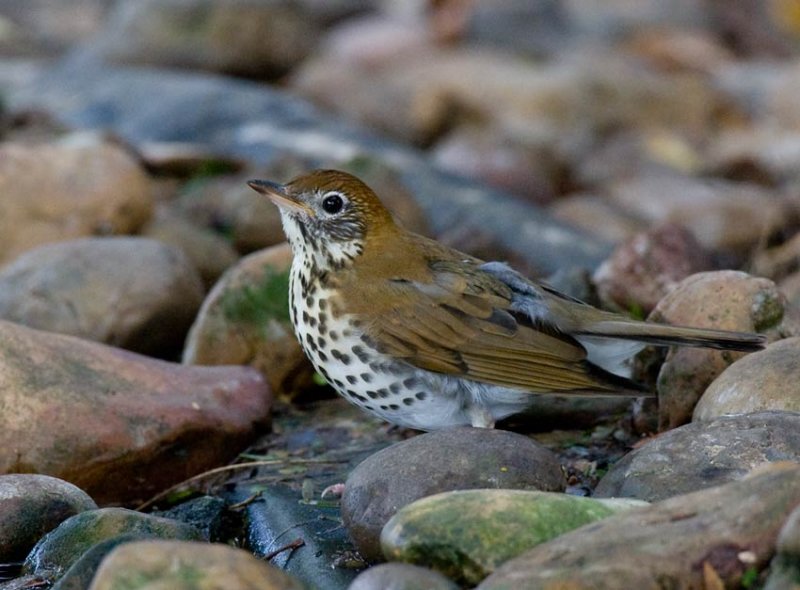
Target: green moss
259	302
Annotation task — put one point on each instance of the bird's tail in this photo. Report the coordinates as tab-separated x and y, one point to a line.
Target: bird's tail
665	335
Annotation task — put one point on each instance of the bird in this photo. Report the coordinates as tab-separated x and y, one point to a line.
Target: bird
426	337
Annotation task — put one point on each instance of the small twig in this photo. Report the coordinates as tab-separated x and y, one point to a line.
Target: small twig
296	544
246	502
223	469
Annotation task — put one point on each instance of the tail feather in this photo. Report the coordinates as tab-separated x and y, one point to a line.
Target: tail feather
666	335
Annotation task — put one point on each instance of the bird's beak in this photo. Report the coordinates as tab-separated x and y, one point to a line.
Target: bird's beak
278	195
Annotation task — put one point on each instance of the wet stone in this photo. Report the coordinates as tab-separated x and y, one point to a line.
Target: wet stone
459	458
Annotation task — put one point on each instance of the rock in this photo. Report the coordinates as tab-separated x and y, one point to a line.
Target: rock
642	270
778	105
284	515
727	300
207	514
466	535
30	506
583	210
79	575
245	321
63	546
711	210
785	566
226	204
790	287
756	29
720	533
762	381
77	187
401	576
680	49
209	252
779	261
181	564
136	425
528	171
52	28
537	29
764	153
134	293
703	454
239	37
459	458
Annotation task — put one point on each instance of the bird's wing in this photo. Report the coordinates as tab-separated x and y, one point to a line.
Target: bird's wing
462	322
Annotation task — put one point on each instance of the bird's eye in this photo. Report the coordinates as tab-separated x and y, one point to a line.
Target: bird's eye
333	203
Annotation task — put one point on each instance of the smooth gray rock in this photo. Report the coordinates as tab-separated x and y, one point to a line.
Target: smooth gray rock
703	454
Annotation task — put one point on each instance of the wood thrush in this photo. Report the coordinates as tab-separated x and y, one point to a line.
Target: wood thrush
428	337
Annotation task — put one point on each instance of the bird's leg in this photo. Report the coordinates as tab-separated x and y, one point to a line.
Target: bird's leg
480	416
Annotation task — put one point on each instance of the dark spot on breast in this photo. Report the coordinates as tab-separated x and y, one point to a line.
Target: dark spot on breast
383	392
408	400
352	379
395	387
321	341
323	303
309	301
312	321
367	377
338	383
410	382
394	407
333	335
420	395
322	317
322	356
361	353
371	394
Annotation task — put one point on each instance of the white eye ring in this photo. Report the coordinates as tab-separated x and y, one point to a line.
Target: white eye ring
332	202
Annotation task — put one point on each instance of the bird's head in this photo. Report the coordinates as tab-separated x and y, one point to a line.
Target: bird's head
327	215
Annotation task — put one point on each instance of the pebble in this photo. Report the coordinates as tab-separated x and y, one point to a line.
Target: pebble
135	293
453	459
158	564
57	551
245	321
401	576
79	186
761	381
32	505
703	454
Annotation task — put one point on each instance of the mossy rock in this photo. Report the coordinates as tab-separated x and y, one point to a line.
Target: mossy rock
467	534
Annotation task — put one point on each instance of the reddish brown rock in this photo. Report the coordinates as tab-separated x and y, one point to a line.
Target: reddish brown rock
642	270
119	425
80	186
727	300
